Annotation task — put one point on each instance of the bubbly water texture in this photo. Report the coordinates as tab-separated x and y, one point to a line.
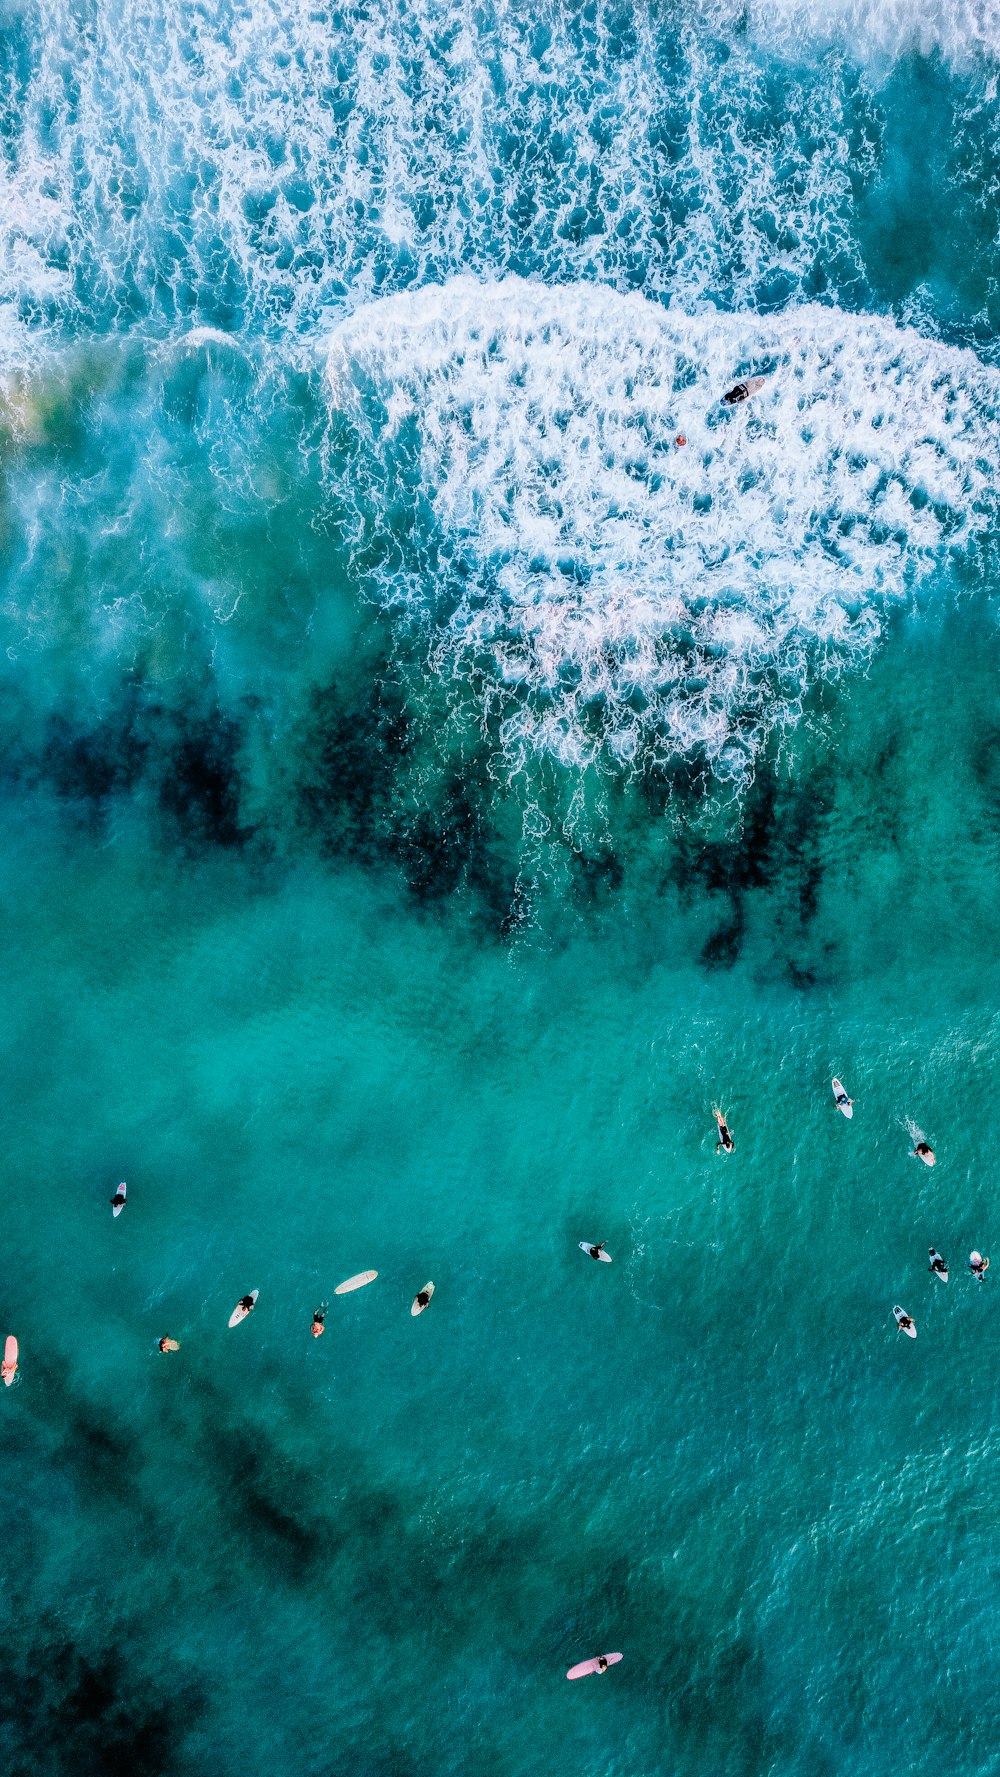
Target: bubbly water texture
626	588
264	162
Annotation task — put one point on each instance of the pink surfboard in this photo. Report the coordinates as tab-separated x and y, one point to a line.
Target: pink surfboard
587	1666
9	1367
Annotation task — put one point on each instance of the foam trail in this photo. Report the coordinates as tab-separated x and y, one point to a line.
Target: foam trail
622	593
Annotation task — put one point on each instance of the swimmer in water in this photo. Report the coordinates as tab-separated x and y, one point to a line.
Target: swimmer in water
923	1151
978	1265
317	1322
937	1265
725	1143
743	391
680	440
169	1344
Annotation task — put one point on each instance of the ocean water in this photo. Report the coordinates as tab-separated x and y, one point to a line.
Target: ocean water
426	790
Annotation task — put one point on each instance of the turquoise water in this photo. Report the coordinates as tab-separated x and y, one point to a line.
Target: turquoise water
426	790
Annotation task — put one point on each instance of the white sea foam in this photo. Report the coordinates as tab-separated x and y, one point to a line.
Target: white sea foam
622	592
958	29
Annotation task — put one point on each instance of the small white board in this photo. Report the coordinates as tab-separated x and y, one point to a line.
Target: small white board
240	1313
422	1298
586	1246
355	1283
840	1094
116	1208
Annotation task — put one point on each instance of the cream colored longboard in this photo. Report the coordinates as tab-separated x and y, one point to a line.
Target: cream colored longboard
422	1298
901	1315
240	1313
587	1666
841	1096
8	1369
355	1283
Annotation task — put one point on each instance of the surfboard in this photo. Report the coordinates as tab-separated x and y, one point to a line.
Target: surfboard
585	1246
941	1275
239	1312
911	1332
587	1666
355	1283
418	1306
838	1091
116	1208
9	1367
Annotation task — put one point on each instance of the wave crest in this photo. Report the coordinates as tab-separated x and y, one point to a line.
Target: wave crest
515	486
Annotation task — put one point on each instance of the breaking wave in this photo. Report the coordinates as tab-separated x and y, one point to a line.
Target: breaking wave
514	487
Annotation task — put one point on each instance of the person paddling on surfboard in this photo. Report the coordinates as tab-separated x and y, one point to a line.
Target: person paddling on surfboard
743	391
938	1265
317	1322
922	1150
725	1143
978	1265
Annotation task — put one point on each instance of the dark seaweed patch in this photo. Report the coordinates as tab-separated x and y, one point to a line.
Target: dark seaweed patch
65	1708
200	787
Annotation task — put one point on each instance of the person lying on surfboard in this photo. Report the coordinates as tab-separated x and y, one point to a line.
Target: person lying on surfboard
317	1322
923	1151
725	1142
247	1304
743	391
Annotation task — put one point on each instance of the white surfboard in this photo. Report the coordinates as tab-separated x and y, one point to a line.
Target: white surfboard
116	1208
839	1093
901	1315
240	1313
355	1283
422	1298
8	1369
585	1247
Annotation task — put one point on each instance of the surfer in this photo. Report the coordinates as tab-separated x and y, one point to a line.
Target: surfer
247	1304
743	391
422	1297
978	1265
602	1664
118	1200
841	1100
317	1322
937	1264
167	1344
595	1252
923	1151
905	1322
725	1142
